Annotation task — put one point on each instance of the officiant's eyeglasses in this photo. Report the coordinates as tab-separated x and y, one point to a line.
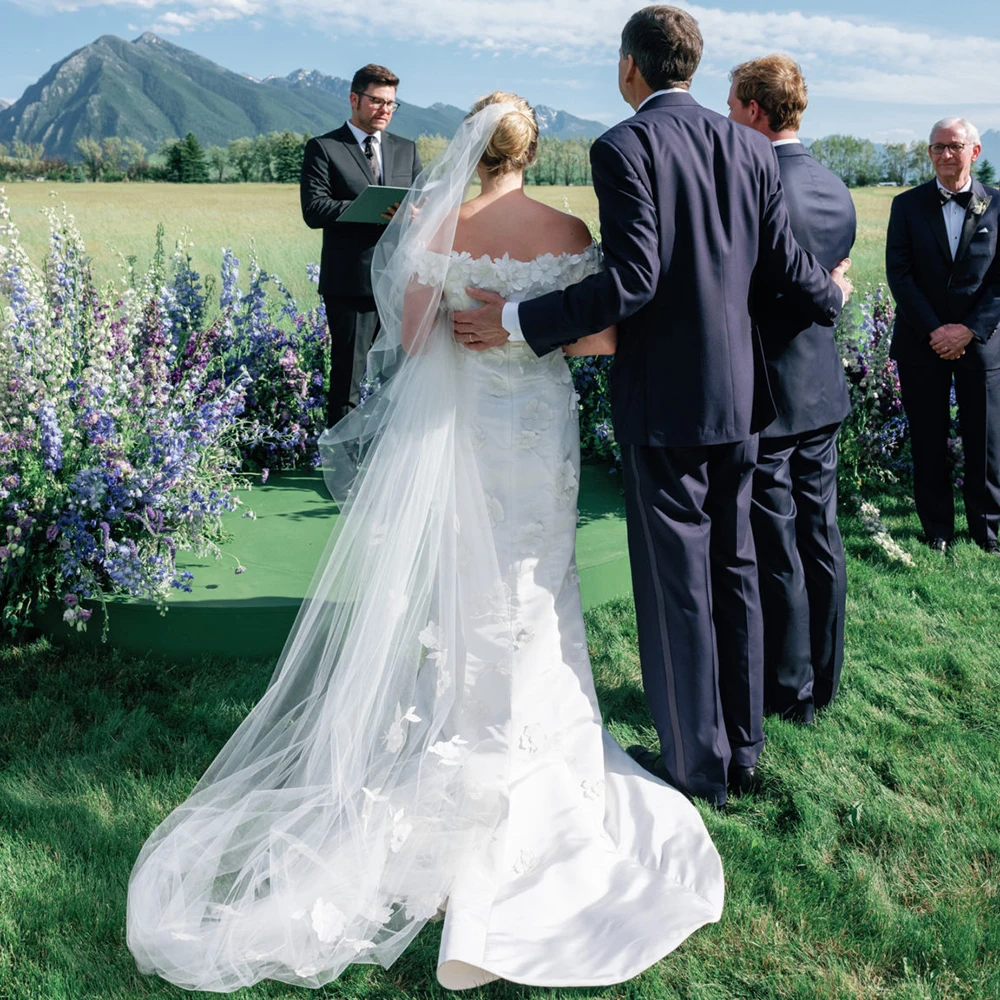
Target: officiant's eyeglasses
377	103
939	147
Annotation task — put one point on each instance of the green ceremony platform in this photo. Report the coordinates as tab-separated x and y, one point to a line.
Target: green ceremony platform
249	614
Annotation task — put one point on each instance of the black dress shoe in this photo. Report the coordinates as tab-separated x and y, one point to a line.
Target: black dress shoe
937	544
651	762
991	547
742	780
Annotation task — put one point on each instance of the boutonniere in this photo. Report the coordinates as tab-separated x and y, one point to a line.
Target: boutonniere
979	206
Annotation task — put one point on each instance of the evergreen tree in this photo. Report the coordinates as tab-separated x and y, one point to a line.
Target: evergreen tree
194	166
986	172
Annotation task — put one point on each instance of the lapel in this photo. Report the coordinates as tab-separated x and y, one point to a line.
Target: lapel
936	217
971	221
346	136
387	150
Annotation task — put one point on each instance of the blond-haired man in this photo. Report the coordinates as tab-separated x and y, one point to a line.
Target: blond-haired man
800	554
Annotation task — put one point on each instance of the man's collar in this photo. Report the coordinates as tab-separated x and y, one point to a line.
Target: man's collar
361	135
786	142
967	186
660	93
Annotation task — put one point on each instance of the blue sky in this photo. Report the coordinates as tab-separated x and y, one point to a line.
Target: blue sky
885	69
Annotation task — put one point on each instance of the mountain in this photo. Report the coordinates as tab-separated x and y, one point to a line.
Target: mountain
4	103
152	90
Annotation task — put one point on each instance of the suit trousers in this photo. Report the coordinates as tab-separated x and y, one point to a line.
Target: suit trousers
802	571
926	394
694	577
353	323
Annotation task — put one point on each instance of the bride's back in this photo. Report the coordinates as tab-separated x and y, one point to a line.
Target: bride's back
502	219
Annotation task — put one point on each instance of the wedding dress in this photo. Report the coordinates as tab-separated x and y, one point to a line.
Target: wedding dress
431	740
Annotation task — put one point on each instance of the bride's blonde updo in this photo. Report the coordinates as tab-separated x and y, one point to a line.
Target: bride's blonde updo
515	140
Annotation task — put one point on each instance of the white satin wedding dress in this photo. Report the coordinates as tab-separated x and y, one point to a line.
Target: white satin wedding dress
603	869
430	740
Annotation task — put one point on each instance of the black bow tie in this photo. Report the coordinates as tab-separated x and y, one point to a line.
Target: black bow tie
962	198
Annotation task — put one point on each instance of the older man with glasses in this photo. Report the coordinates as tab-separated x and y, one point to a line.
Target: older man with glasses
338	166
944	273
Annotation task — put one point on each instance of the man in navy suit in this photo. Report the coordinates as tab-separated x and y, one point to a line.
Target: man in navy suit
944	272
800	554
337	167
690	205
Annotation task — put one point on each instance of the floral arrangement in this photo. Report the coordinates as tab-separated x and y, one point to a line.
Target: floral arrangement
874	437
126	417
597	436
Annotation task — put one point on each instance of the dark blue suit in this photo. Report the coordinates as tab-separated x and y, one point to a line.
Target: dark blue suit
690	205
800	554
930	290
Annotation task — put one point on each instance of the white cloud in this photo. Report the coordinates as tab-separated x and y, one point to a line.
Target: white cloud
844	58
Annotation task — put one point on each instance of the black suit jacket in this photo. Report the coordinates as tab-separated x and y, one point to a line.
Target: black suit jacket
931	289
689	202
335	171
804	367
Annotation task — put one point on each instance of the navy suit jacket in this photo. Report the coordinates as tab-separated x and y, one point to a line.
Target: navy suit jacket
690	203
804	367
334	172
931	289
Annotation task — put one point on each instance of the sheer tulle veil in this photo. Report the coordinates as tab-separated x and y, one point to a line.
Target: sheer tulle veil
330	826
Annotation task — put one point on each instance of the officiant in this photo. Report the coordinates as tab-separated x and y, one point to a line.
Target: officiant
337	167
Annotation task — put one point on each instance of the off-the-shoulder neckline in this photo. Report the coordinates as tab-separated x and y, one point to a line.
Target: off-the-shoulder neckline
506	258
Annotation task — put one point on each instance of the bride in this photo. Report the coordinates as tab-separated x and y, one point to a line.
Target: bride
430	743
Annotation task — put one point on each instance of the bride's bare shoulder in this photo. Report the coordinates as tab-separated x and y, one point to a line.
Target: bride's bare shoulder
570	230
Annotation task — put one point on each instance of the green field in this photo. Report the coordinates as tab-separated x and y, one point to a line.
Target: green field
121	219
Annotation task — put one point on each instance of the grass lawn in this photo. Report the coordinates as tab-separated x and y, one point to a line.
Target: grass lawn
121	219
867	867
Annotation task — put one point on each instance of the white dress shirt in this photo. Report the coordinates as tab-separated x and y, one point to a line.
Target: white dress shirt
509	319
785	142
954	216
377	145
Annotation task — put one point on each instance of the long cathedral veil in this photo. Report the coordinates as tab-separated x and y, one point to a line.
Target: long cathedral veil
330	826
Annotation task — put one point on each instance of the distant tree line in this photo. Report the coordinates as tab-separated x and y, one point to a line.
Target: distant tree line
277	158
860	163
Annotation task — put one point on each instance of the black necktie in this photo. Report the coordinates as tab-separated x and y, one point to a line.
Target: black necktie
962	198
372	159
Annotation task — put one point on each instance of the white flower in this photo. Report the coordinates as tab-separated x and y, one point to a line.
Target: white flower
536	414
529	538
527	439
448	750
478	437
532	738
307	971
401	830
524	863
328	921
591	789
498	384
359	945
396	736
566	482
444	675
379	914
431	637
495	510
422	907
524	636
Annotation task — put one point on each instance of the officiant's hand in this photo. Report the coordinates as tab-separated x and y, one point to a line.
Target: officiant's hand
480	329
839	275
